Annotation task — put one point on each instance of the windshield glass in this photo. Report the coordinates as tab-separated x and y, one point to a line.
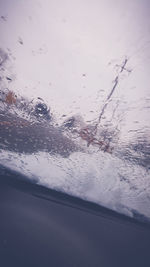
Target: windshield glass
75	98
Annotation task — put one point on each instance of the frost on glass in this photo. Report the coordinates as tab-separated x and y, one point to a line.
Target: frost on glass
75	99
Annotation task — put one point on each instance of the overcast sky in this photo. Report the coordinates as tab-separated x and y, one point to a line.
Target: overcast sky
62	52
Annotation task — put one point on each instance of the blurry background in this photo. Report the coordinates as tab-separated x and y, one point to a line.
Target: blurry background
69	53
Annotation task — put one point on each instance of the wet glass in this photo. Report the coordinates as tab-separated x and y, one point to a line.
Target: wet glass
75	98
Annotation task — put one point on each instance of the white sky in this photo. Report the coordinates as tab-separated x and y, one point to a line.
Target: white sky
62	40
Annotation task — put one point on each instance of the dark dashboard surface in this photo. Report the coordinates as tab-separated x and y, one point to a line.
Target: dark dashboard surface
41	227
